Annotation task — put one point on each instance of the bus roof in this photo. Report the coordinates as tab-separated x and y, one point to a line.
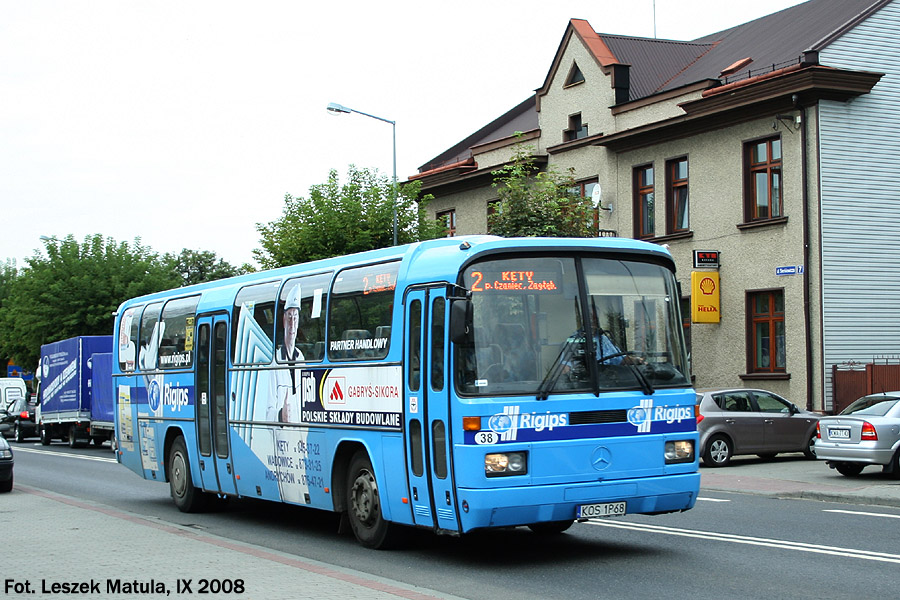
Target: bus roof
430	260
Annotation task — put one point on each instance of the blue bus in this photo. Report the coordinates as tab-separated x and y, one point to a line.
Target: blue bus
453	385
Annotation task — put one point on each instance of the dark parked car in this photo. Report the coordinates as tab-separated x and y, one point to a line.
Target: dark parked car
6	466
17	419
749	421
865	433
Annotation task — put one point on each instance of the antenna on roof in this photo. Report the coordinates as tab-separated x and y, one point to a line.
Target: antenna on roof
654	19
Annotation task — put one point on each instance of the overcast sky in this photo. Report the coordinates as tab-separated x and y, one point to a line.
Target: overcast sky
185	123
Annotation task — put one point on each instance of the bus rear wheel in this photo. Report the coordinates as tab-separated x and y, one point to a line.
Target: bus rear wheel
186	497
364	505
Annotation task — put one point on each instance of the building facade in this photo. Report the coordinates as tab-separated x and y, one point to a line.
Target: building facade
761	156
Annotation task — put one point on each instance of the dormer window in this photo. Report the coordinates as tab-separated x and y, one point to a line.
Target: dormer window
575	76
576	130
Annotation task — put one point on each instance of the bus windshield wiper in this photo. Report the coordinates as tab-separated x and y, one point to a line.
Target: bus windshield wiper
646	387
558	368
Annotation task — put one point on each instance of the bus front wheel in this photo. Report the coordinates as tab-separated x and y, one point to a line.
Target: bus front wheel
364	504
186	497
551	527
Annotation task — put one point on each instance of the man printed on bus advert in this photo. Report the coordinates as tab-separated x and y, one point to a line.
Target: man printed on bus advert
284	405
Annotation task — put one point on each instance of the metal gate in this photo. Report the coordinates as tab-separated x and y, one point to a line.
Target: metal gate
853	380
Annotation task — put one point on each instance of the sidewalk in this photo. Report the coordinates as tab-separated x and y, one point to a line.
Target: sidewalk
122	555
792	476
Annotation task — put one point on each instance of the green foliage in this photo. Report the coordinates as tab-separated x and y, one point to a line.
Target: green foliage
73	289
199	266
8	274
538	203
340	219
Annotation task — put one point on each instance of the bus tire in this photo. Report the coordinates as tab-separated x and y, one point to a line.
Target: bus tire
181	485
364	504
551	527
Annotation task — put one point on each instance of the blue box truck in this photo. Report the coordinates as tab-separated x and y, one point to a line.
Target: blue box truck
75	393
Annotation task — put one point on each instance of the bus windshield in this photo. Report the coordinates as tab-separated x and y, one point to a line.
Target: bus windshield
534	319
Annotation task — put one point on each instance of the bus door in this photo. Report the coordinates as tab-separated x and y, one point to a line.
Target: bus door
427	410
211	414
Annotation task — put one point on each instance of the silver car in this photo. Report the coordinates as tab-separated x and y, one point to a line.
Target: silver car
750	421
865	433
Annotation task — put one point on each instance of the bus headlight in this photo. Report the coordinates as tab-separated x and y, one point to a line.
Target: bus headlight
679	451
504	464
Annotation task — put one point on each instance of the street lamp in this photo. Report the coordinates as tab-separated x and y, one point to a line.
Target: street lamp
336	109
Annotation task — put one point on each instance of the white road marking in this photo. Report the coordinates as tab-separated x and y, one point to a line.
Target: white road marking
81	456
752	541
859	512
712	499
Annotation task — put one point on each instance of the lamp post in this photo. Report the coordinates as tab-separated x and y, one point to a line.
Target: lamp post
336	109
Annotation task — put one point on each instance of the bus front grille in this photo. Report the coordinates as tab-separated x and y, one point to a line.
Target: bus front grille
598	416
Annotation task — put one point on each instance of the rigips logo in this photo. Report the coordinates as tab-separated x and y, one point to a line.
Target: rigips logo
540	422
508	423
671	414
175	396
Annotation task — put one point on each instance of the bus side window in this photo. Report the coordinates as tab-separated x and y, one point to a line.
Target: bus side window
129	326
308	296
151	333
254	324
177	347
360	312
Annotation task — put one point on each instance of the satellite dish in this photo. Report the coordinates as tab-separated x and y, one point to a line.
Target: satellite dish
595	195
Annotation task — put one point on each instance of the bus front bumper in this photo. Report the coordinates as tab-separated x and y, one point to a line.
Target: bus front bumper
513	506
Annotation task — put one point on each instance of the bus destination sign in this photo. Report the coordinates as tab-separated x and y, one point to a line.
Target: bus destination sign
515	281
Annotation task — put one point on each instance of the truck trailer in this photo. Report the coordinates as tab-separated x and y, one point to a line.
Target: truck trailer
75	393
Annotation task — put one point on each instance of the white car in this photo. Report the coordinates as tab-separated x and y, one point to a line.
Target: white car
865	433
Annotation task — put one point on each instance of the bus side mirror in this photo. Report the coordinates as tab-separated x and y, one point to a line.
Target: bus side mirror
461	321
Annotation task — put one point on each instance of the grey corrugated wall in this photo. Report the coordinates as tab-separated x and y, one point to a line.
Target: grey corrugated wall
860	192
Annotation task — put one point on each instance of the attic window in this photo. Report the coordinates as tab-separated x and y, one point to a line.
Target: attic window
735	67
576	130
575	76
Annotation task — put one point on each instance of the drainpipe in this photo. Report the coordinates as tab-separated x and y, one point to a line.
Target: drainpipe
807	317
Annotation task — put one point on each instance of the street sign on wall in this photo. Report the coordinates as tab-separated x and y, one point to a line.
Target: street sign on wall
706	259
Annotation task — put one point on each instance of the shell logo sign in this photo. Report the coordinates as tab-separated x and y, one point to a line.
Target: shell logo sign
705	297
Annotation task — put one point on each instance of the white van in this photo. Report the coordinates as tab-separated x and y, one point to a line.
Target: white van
11	389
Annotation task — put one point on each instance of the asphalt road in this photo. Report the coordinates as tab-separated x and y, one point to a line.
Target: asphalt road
730	545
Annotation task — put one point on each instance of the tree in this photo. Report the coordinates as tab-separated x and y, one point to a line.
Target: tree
199	266
340	219
73	289
8	274
538	203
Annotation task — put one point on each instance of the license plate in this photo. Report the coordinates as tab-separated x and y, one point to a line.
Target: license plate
608	509
838	434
